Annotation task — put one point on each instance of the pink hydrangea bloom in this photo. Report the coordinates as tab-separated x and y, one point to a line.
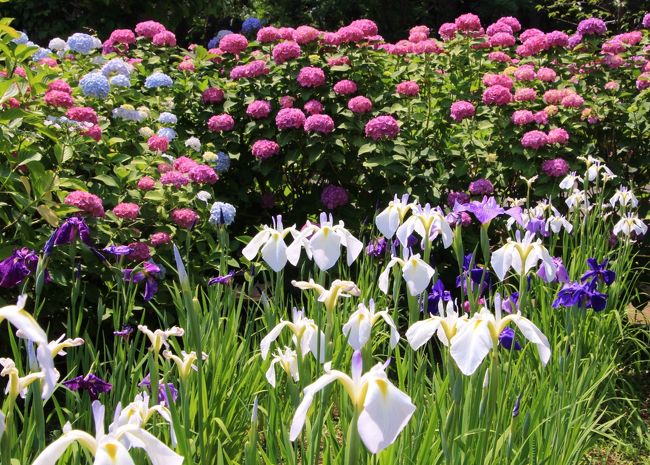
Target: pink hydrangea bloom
556	168
158	143
572	101
57	98
462	109
305	34
313	107
499	56
556	39
82	114
525	73
522	117
212	95
345	87
184	164
233	43
258	109
502	39
612	85
592	26
61	85
499	27
139	252
331	39
322	124
148	28
338	61
534	139
525	94
512	22
497	95
311	76
382	127
164	168
367	26
86	202
286	101
160	238
546	75
122	36
359	104
203	174
285	51
164	39
490	79
127	210
557	136
185	218
268	34
447	31
286	33
221	123
94	132
186	65
350	34
408	88
541	117
555	96
174	178
263	149
334	196
146	183
288	118
468	22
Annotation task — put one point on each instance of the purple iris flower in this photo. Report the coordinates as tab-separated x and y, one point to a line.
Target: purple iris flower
91	383
67	233
125	332
538	226
515	409
226	279
598	272
485	210
581	295
507	339
411	242
377	247
561	276
163	390
150	273
511	304
118	250
476	274
17	266
437	294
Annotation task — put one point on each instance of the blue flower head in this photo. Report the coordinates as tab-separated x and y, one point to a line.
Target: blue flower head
222	213
214	42
81	43
158	80
41	53
116	66
120	80
250	26
167	118
23	39
223	162
94	85
167	133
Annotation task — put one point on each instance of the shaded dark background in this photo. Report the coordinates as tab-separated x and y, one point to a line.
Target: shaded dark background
196	21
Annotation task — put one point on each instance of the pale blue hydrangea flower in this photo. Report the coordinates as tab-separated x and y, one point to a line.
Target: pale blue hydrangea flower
194	143
57	44
167	118
41	53
222	213
204	196
223	162
158	80
94	85
116	66
128	114
22	40
82	43
120	80
167	133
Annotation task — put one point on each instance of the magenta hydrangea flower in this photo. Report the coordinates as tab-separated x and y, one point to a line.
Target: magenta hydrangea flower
556	39
557	136
498	27
311	76
86	202
338	61
334	196
525	94
212	95
57	98
322	124
313	107
285	51
286	101
382	127
146	183
367	26
268	34
94	132
502	39
59	84
350	34
447	31
522	117
408	88
221	123
122	36
233	43
126	210
305	34
468	22
481	186
556	168
139	252
264	148
345	87
160	238
541	117
525	73
184	164
82	114
572	101
184	217
203	174
148	28
359	104
592	26
174	178
164	39
534	139
258	109
497	95
158	143
491	79
462	109
289	118
546	75
646	21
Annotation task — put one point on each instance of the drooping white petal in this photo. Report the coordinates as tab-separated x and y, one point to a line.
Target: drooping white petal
353	245
534	335
394	334
313	342
357	329
274	252
270	373
417	275
326	248
55	450
501	260
421	331
388	221
253	247
383	277
265	343
51	374
18	317
301	412
158	452
386	411
406	229
470	345
550	268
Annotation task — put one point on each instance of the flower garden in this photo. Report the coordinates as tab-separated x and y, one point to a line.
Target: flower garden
300	246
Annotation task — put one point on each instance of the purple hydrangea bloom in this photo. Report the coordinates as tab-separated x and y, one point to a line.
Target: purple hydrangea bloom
150	273
17	266
481	187
91	383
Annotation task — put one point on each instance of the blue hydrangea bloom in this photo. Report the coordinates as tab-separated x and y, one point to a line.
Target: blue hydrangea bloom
94	85
116	66
222	213
223	162
81	43
23	39
167	118
214	42
41	53
120	80
167	133
251	26
158	80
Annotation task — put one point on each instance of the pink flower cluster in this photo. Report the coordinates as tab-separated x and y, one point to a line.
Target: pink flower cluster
160	238
127	210
233	43
212	95
146	183
258	109
251	70
311	76
203	174
185	218
408	88
86	202
359	104
462	109
221	123
158	143
382	127
285	51
82	114
264	148
497	95
345	87
289	118
313	107
322	124
556	168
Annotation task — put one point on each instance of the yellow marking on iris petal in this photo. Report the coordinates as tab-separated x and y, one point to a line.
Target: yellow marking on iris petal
111	450
382	384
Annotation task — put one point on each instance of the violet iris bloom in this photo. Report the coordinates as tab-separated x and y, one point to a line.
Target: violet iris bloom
437	294
581	295
91	383
376	247
598	272
561	275
125	332
226	279
150	273
507	339
476	274
17	266
163	390
67	233
511	304
538	226
118	250
485	210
